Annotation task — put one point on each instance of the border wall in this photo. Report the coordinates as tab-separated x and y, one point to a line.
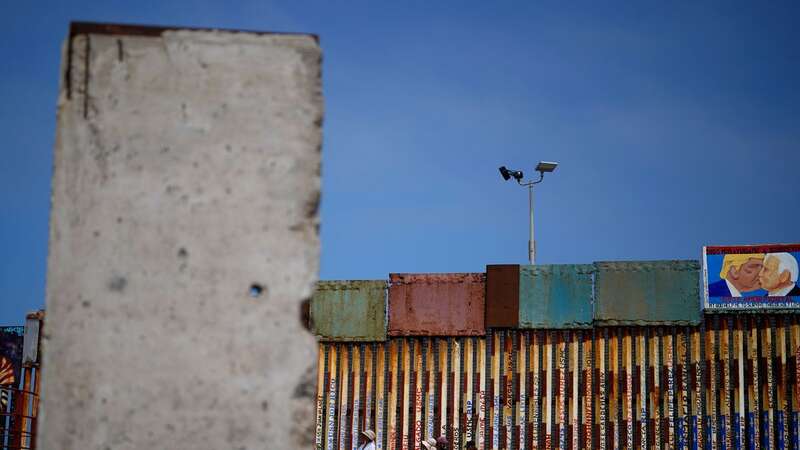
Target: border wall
603	356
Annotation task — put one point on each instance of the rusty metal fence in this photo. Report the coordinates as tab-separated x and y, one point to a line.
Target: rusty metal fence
729	383
18	419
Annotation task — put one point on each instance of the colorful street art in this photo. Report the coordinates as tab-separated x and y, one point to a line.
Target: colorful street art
751	277
10	360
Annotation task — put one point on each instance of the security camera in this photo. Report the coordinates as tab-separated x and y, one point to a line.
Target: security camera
507	174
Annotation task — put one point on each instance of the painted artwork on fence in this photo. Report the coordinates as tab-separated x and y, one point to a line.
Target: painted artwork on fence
10	359
729	383
751	277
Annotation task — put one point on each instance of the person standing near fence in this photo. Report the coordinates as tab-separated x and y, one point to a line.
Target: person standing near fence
367	440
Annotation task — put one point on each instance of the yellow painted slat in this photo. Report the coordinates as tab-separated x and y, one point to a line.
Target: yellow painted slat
469	400
629	401
431	396
699	412
354	429
576	397
669	360
393	393
548	397
343	397
536	398
405	404
330	435
657	393
753	390
741	388
726	353
456	372
642	404
368	405
418	396
603	391
380	400
685	393
588	394
508	405
563	417
522	374
319	439
784	390
712	351
444	369
482	394
615	408
496	389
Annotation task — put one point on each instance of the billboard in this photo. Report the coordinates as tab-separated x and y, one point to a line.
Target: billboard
751	277
10	361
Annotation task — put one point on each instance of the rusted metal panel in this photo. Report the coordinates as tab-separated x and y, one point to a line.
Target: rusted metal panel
502	295
555	296
449	304
349	311
647	292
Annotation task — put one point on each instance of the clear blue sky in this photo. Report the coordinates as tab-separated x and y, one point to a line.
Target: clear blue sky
676	125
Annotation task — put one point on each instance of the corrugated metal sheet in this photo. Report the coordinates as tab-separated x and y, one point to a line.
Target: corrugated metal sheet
647	292
540	296
349	310
729	383
555	296
502	296
448	304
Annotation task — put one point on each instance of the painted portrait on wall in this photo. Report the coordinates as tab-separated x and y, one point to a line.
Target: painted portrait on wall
751	277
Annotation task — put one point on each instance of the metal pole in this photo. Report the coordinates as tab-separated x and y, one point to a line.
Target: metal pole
531	241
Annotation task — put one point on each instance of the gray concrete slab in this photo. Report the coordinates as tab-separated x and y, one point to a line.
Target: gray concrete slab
186	177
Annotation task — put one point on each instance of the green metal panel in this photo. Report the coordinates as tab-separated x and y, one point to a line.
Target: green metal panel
555	296
647	292
349	311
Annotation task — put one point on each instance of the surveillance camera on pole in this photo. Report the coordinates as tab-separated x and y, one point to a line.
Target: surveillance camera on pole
543	167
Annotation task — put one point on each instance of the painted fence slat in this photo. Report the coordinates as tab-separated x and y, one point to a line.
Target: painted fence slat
658	396
604	411
357	364
714	387
563	358
524	370
455	424
344	375
729	383
588	394
320	416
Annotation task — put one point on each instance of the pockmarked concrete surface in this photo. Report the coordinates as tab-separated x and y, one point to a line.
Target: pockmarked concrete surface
183	239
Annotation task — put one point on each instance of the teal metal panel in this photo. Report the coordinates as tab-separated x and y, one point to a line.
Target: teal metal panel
349	311
647	293
555	296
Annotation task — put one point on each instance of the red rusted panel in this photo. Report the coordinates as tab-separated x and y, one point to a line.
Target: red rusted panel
447	304
502	296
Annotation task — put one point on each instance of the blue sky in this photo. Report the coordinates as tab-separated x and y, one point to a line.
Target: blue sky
676	125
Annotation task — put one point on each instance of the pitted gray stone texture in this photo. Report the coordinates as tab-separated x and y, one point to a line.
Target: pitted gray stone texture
186	173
